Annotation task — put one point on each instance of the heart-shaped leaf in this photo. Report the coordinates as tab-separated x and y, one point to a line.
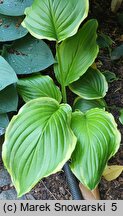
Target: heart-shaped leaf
112	172
92	85
55	19
35	53
85	105
98	140
7	74
38	86
38	142
8	99
4	121
14	7
10	28
75	55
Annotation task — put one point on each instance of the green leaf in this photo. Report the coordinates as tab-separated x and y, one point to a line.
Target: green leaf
38	142
10	28
7	74
117	53
35	53
98	140
85	105
4	121
76	54
110	76
8	99
121	116
55	19
38	86
92	85
104	41
14	7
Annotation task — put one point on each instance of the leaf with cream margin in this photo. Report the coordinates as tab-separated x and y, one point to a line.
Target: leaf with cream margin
38	142
55	19
98	139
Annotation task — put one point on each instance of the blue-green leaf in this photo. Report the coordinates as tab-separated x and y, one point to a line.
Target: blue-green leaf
7	74
8	99
29	55
11	29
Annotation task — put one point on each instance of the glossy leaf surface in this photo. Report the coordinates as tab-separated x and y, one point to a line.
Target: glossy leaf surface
92	85
76	54
38	142
98	140
38	86
55	19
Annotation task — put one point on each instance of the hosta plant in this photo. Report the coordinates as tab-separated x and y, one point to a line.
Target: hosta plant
47	131
20	54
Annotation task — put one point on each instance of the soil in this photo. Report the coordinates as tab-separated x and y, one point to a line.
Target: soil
55	187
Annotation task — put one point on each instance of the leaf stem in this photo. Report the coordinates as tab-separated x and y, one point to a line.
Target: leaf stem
64	95
63	88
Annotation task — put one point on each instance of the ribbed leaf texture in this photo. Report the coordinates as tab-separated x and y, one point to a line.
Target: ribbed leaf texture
55	19
38	142
98	140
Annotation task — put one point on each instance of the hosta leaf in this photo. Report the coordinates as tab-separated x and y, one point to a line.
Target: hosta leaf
121	116
92	85
10	28
112	172
38	86
98	140
85	105
8	99
35	53
117	53
55	19
4	121
7	74
110	76
14	7
104	41
76	54
38	142
2	131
